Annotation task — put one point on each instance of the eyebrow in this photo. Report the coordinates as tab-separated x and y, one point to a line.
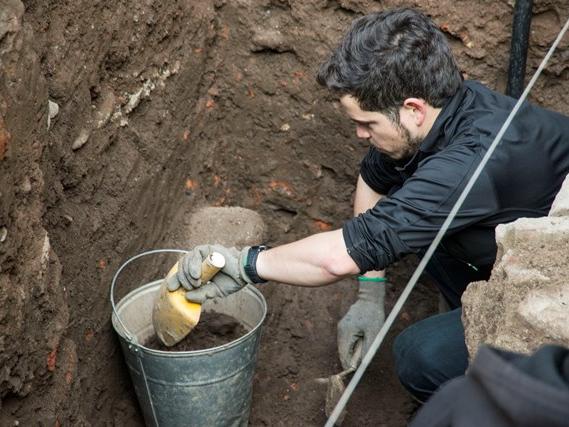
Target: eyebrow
363	122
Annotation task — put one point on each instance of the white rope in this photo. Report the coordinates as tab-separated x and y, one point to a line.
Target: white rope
411	284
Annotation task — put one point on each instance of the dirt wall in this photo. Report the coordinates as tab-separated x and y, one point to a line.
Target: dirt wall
168	106
34	311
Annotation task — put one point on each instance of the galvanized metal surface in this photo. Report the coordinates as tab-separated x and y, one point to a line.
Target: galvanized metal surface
209	387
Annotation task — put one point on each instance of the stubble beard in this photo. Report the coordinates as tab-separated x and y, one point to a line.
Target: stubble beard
412	144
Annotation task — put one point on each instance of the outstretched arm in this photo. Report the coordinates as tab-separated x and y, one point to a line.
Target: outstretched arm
320	259
316	260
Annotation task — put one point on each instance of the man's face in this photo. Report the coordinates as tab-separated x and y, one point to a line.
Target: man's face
395	141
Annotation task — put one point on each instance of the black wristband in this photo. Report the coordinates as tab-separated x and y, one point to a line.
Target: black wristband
250	266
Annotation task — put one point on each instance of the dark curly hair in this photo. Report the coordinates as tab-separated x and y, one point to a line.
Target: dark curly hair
390	56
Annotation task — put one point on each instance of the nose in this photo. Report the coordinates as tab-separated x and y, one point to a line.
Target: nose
362	132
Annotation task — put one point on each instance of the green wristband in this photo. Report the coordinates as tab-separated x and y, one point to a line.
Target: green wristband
372	279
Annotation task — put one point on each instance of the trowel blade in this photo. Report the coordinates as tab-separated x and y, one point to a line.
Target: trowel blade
334	391
173	316
336	385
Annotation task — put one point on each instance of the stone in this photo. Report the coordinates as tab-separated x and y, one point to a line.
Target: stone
540	230
525	302
11	14
105	109
67	219
135	98
26	186
270	39
81	139
546	310
560	206
227	226
53	111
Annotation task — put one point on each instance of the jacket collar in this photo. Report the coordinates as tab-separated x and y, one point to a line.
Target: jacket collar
435	139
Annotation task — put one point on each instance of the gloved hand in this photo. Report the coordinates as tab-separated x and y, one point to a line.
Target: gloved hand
228	280
363	321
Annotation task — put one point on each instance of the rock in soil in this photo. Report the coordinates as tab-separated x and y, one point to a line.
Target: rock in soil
213	329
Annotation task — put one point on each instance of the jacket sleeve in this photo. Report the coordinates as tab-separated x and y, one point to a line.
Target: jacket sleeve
378	172
408	220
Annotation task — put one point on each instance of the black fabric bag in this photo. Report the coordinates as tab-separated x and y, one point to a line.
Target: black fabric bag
502	389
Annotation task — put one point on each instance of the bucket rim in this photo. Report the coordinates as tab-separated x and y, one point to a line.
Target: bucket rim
131	338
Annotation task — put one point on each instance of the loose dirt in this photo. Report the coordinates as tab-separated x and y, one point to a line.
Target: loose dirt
213	329
165	107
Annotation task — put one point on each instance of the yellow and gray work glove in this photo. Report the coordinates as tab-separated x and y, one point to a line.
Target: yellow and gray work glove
228	280
363	320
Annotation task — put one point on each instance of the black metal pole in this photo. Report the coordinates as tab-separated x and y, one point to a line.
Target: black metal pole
519	47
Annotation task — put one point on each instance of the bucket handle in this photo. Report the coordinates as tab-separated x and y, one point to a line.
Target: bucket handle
130	337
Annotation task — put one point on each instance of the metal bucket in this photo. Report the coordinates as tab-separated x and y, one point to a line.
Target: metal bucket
210	387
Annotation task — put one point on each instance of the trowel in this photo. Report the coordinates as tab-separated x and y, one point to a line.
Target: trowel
173	316
335	384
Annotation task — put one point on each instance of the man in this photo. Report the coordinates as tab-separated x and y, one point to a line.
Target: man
428	129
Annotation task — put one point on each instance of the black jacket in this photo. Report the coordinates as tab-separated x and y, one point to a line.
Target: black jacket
520	180
504	389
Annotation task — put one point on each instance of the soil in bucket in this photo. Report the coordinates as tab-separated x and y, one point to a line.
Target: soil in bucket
213	329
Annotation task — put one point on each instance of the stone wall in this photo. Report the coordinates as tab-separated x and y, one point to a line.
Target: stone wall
526	301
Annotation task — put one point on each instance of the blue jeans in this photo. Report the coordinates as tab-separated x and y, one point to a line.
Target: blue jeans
432	351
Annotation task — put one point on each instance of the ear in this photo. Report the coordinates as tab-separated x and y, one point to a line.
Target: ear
417	108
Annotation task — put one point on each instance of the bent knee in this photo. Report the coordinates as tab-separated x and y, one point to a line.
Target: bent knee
424	361
412	365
